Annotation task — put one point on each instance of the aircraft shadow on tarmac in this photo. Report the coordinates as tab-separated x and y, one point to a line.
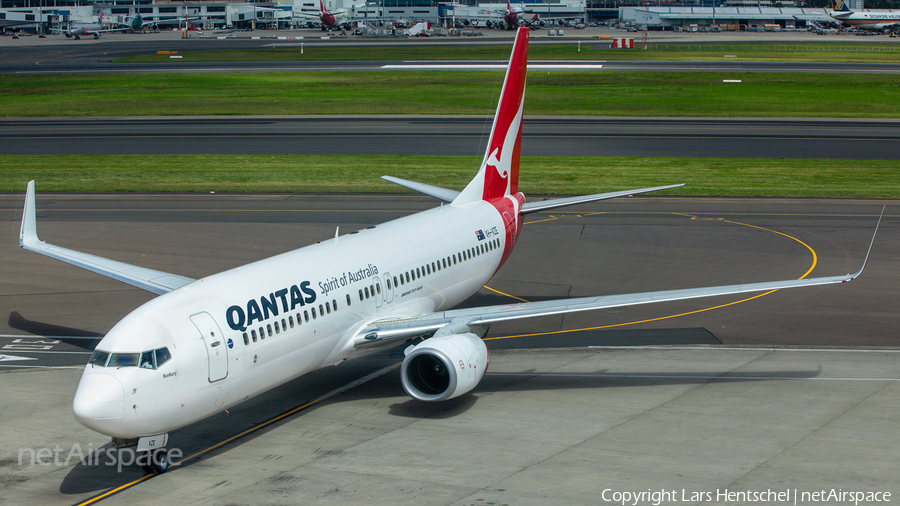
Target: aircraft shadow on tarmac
98	475
76	337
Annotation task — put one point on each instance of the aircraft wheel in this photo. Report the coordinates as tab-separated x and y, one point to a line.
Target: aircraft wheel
96	36
146	461
77	38
160	461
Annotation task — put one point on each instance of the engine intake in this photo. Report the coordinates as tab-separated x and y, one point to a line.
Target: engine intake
444	367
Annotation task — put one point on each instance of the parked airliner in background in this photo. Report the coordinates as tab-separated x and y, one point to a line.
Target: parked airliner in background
869	19
208	344
78	29
332	19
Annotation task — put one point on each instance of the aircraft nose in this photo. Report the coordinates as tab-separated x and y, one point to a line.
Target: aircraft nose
99	403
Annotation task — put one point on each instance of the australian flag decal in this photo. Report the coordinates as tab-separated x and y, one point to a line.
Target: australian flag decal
479	234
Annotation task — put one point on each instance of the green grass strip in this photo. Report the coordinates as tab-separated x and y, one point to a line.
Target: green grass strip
557	93
539	175
589	50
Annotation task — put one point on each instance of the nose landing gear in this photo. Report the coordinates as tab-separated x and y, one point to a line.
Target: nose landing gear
156	461
154	458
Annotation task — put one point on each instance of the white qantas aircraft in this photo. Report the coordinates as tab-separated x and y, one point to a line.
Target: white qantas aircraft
871	19
207	344
79	29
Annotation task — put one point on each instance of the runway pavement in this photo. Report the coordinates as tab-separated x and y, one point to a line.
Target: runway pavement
801	396
453	135
98	65
57	55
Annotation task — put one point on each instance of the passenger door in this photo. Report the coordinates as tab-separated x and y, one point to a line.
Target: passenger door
216	347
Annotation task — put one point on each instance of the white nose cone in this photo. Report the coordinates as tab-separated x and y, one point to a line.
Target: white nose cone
99	403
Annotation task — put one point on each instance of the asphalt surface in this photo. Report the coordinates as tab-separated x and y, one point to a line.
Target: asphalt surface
620	246
726	374
57	55
453	135
95	64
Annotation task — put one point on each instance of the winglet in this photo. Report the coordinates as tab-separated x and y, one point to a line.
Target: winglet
870	245
28	232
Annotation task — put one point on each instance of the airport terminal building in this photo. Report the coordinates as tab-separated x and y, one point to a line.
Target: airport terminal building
165	14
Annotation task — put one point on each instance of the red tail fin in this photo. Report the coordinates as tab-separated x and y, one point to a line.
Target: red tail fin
499	173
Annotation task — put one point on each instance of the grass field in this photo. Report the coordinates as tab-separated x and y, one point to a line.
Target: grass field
539	175
559	93
589	50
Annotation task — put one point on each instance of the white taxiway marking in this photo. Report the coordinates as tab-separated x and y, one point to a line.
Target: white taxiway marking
11	358
487	66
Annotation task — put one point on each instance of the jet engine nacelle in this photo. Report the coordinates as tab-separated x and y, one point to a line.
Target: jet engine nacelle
444	367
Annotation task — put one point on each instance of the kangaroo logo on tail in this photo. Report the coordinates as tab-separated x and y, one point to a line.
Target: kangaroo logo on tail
499	173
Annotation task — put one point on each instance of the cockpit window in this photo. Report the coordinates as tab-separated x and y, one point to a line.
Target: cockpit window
124	359
147	360
162	356
99	358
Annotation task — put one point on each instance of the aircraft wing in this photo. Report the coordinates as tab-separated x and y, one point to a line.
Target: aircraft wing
151	280
388	330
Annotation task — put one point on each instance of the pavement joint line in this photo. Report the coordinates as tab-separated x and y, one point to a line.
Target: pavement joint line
41	351
43	366
737	348
681	376
56	338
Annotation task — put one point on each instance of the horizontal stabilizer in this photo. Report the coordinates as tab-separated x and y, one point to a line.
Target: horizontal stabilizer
151	280
432	191
543	205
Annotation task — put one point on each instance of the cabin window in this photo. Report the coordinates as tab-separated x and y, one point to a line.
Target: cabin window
433	269
269	328
367	292
246	339
300	320
407	277
124	359
389	283
162	356
427	269
277	330
328	307
253	334
99	358
360	295
283	324
334	304
306	316
348	299
321	310
314	313
418	273
378	289
395	281
262	333
291	321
